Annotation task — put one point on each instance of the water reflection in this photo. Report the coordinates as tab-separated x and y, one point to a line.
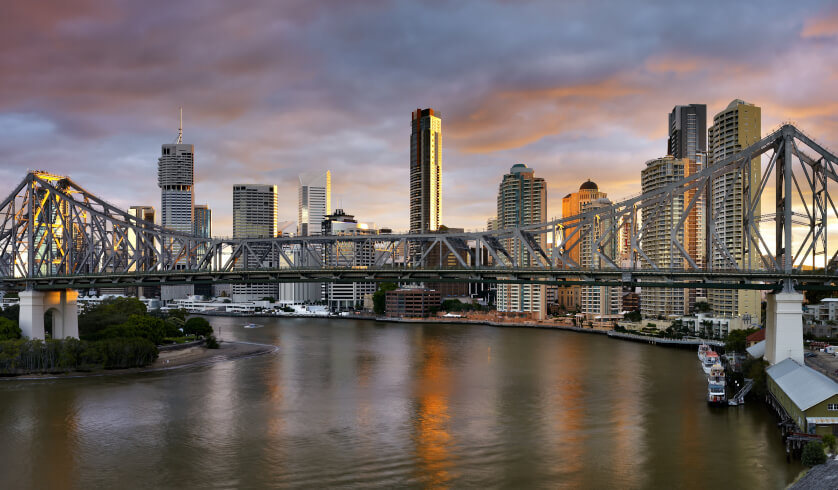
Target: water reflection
432	438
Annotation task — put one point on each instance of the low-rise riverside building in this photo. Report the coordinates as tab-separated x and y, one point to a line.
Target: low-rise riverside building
707	325
412	302
821	319
808	397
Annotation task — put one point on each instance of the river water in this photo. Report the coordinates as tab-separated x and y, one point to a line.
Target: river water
364	404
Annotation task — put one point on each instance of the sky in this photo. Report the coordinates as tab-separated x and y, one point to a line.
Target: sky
575	89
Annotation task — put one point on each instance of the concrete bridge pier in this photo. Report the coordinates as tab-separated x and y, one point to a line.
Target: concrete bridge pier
784	327
65	314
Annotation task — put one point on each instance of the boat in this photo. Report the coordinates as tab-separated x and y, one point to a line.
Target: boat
709	359
702	351
716	385
252	325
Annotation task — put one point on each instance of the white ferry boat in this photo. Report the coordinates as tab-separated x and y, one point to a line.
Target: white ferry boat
703	349
252	325
716	384
709	359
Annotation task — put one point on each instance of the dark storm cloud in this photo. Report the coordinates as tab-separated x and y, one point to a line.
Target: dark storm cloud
576	90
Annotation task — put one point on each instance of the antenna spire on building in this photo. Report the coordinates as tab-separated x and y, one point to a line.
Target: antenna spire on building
180	127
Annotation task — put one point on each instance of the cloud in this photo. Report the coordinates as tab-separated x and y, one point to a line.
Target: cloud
821	26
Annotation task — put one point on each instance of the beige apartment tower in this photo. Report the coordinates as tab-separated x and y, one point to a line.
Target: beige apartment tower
734	128
572	204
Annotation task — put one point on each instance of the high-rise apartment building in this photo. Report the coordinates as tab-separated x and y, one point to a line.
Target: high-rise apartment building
254	216
659	220
522	200
734	128
572	204
688	139
687	131
425	171
314	203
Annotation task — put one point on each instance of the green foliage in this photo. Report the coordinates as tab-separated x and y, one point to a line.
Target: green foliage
454	305
735	341
137	326
197	326
702	307
829	441
755	369
633	316
9	330
269	299
24	356
212	342
110	312
379	298
813	454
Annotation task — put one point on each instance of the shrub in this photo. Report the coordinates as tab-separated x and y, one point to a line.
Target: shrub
813	454
212	343
107	314
829	441
24	356
9	330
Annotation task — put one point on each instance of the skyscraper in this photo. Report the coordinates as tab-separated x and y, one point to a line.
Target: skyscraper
572	204
254	216
345	296
176	179
425	171
659	220
687	131
315	201
522	200
203	221
734	128
600	303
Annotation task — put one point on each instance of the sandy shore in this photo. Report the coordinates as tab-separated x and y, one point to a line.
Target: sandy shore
193	356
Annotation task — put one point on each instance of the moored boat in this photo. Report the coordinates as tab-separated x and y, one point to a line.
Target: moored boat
709	359
703	349
716	385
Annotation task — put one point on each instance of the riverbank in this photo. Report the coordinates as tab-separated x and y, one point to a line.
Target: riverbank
173	359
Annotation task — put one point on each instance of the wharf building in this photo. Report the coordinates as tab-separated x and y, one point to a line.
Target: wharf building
254	216
425	171
522	200
569	298
734	128
658	222
346	296
176	179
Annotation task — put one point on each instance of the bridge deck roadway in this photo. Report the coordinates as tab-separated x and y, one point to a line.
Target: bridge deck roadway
765	280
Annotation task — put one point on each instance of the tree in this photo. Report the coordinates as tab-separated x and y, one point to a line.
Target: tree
813	454
197	326
142	326
12	313
109	313
379	298
735	341
9	330
633	316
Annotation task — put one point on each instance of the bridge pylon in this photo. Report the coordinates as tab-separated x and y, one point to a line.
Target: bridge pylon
65	318
784	326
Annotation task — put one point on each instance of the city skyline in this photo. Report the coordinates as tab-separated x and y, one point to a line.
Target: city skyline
562	100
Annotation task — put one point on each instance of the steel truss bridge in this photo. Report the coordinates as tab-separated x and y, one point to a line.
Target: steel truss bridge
56	235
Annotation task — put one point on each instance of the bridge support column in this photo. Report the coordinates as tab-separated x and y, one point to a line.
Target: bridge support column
32	311
65	313
784	327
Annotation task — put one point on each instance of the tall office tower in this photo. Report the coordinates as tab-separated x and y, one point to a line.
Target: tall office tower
522	200
202	226
315	201
599	303
734	128
176	179
687	131
572	204
342	297
658	222
425	171
254	216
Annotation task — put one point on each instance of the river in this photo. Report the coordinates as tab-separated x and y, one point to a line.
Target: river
365	404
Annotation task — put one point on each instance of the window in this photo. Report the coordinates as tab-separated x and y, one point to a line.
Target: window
832	407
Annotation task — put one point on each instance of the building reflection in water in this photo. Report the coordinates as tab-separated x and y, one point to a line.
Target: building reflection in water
431	430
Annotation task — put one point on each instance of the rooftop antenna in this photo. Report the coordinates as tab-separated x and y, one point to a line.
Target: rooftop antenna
180	127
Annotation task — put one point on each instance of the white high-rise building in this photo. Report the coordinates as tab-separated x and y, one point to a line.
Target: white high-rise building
315	201
345	296
658	222
599	303
254	216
